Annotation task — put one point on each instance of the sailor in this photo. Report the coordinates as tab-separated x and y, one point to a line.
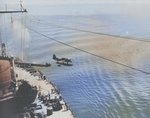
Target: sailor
52	91
49	95
39	95
39	88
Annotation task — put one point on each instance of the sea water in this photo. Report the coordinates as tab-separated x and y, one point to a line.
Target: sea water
93	87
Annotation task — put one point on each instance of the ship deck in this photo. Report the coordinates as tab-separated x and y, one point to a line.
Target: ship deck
44	87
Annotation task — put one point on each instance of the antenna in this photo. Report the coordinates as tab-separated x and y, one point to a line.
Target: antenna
21	5
11	18
6	6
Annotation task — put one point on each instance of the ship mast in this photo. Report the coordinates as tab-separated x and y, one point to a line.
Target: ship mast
22	10
3	50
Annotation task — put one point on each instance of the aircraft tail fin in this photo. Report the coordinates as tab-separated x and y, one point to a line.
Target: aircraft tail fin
54	56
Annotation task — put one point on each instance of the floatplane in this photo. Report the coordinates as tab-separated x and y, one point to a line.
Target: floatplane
63	61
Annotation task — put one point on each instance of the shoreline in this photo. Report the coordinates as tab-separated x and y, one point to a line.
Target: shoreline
45	87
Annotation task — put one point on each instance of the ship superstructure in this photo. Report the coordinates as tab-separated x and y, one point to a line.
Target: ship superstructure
12	95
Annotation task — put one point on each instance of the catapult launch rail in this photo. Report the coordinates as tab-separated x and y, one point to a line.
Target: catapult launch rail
32	64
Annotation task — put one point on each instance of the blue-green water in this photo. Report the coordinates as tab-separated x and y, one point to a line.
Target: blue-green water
93	87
